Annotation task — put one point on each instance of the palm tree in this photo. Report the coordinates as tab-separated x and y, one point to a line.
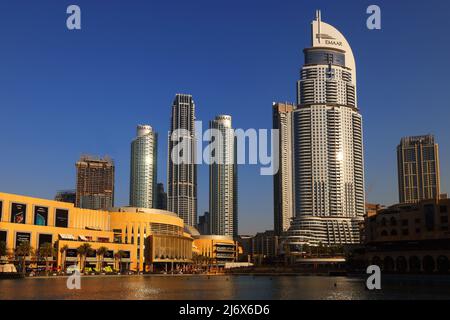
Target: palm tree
46	251
3	249
101	254
83	251
119	255
63	251
24	250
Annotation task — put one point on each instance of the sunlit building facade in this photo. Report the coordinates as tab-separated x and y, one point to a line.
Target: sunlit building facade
143	168
328	144
223	211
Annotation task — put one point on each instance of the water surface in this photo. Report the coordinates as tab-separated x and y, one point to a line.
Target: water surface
223	287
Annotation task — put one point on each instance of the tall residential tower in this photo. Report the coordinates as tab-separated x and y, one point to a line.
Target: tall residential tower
328	143
223	180
182	170
283	198
418	169
143	168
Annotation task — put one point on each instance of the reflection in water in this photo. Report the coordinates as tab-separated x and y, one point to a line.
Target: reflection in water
220	287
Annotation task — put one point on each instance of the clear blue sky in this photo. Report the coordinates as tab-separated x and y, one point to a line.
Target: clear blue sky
65	93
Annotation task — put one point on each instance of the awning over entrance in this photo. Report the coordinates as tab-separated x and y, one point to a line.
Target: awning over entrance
66	236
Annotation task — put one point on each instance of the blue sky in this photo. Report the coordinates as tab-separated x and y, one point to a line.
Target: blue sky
65	93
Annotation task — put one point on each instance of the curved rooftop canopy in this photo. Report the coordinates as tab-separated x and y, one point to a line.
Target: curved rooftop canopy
325	35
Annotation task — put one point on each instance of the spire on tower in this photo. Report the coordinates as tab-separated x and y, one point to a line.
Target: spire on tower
318	15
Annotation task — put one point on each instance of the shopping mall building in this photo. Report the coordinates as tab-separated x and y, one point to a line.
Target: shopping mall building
147	239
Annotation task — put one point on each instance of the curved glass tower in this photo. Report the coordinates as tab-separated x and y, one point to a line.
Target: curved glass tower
143	168
223	181
328	147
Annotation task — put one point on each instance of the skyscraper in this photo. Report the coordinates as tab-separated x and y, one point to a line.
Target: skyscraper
68	196
328	165
161	197
182	175
283	198
418	169
95	183
223	180
143	168
204	224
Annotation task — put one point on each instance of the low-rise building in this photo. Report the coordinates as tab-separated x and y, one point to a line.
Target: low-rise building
135	239
219	250
410	237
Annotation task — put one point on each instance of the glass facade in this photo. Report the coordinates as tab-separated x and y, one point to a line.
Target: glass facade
322	57
143	168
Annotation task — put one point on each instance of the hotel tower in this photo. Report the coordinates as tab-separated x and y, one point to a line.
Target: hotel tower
182	175
223	181
143	168
328	145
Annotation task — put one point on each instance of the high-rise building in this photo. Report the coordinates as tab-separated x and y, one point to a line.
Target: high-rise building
161	197
283	198
418	169
204	224
182	171
223	180
143	168
69	196
95	183
328	144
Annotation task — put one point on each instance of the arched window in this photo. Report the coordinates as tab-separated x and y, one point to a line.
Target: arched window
414	264
384	233
442	264
394	232
377	261
402	264
389	264
383	222
428	264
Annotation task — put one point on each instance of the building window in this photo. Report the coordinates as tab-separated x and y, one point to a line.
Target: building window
417	230
40	216
45	238
443	209
405	232
3	235
18	213
429	217
444	219
71	253
62	218
417	220
393	221
405	222
1	210
22	237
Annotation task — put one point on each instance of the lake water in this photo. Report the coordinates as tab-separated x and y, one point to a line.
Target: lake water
224	287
